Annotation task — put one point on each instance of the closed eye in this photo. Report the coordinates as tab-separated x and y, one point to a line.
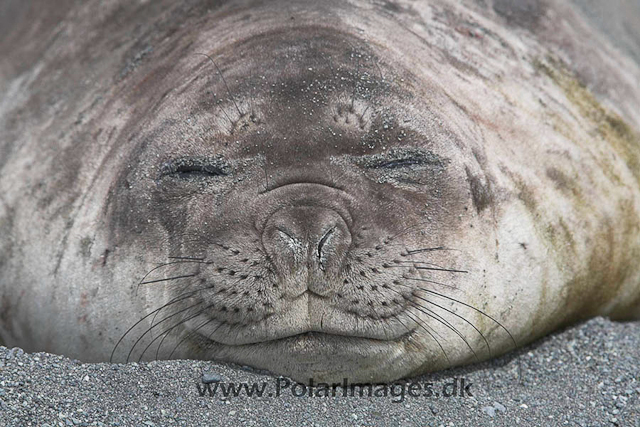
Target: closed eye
398	163
193	168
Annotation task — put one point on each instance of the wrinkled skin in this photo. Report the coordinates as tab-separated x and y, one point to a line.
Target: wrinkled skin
360	190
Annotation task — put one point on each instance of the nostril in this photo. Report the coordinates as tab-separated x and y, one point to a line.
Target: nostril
292	241
323	241
285	234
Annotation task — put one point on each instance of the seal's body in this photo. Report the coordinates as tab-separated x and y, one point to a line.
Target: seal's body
323	189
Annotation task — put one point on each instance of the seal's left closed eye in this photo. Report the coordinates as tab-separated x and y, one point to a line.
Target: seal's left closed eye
397	163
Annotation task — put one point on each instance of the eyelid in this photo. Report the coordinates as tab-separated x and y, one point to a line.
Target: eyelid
186	167
397	163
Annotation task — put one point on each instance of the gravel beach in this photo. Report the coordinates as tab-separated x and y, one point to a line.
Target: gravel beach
586	375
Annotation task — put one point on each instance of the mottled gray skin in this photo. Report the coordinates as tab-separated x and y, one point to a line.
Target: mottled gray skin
326	189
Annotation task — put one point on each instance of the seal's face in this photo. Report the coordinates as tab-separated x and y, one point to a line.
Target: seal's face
304	218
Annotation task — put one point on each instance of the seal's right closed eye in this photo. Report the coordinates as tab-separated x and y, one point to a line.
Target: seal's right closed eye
186	168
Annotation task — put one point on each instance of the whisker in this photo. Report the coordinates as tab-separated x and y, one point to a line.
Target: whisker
473	308
419	279
401	322
208	287
251	100
417	251
434	267
457	315
376	90
418	267
153	320
223	80
157	324
439	318
214	331
154	312
420	323
412	261
395	317
409	229
266	177
168	278
161	266
191	333
166	332
450	270
355	80
409	252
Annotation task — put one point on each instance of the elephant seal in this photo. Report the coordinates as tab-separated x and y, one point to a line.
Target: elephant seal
362	189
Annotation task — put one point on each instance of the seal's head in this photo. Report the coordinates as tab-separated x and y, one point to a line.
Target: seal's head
323	189
310	206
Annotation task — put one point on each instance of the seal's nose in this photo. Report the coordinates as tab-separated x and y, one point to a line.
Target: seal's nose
308	243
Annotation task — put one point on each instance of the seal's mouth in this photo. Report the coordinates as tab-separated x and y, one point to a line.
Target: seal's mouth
317	338
232	336
311	350
318	355
306	316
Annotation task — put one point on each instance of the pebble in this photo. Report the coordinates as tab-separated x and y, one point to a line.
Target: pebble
211	377
489	410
